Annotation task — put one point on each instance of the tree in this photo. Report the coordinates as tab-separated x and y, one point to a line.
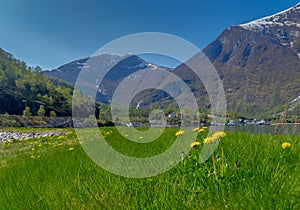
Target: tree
52	114
41	111
105	114
37	69
27	111
203	115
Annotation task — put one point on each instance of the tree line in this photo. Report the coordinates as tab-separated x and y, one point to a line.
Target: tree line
26	90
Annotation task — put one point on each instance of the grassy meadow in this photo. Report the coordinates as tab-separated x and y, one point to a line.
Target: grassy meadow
247	171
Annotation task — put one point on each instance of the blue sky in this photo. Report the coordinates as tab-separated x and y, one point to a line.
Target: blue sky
52	33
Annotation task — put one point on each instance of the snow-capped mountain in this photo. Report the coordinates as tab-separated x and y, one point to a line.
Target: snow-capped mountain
258	63
70	71
284	25
289	17
120	67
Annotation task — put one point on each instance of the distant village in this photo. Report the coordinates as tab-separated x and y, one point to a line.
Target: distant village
173	120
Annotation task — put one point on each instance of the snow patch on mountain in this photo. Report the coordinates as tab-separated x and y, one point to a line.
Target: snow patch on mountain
81	63
152	66
140	65
296	99
279	19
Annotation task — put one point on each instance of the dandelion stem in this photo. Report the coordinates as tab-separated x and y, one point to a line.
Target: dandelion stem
214	162
223	159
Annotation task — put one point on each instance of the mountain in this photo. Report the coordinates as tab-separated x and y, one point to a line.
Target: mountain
119	66
284	26
258	63
22	86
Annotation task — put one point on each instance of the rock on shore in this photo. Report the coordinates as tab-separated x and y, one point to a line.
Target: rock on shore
10	136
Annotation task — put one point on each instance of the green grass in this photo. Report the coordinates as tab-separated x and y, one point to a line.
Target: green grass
54	177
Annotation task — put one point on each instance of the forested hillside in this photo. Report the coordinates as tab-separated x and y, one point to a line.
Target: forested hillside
22	86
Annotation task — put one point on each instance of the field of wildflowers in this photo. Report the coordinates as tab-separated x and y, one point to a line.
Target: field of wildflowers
246	171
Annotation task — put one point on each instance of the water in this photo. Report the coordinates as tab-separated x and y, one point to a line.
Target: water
284	129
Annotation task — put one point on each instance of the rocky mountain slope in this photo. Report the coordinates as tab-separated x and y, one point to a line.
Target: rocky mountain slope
119	68
258	63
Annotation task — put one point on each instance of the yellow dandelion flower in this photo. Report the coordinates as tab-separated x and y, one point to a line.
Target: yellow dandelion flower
195	129
141	137
40	145
195	144
219	134
201	130
59	144
71	149
32	156
32	149
38	156
210	139
285	145
178	133
204	127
